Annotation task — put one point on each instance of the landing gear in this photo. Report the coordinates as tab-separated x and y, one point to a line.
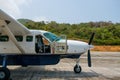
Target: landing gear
77	67
4	71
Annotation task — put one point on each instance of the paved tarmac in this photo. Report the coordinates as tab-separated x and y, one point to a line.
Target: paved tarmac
105	66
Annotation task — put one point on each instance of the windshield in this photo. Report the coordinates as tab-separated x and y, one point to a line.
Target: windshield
52	37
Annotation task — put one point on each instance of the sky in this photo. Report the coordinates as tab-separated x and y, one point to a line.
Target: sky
63	11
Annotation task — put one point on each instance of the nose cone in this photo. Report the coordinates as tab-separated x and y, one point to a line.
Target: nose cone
77	46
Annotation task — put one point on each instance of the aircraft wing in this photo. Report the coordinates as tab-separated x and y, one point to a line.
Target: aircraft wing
15	27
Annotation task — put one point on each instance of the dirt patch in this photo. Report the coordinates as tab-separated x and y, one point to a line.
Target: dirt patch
107	48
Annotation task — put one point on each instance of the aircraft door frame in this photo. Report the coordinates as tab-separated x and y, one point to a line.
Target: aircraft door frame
43	43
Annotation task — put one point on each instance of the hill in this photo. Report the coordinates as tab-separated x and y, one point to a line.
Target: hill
24	21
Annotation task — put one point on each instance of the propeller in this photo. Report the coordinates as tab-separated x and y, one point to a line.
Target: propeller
89	56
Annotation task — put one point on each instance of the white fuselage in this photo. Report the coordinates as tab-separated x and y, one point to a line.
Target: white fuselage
73	46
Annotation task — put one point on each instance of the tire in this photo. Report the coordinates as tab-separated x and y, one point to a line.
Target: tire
77	69
4	73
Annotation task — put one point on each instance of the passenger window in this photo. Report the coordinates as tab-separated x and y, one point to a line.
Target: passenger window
19	38
29	38
4	38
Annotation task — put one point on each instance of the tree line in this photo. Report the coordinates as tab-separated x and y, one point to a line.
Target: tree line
106	33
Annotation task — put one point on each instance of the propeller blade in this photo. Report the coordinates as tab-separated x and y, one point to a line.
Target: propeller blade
91	38
89	58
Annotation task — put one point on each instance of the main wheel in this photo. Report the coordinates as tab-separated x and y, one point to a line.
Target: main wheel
4	73
77	69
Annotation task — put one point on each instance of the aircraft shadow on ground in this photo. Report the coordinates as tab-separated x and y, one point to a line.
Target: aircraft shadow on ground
42	73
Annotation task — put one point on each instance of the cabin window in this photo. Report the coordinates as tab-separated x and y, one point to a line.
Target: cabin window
29	38
4	38
19	38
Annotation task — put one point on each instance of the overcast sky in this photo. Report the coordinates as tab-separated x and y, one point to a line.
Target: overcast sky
63	11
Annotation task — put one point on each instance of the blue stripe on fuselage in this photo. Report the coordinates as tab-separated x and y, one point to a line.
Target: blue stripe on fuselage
39	59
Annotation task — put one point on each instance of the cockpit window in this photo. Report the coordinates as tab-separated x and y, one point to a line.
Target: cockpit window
52	37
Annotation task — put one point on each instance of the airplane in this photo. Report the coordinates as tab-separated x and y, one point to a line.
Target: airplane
22	46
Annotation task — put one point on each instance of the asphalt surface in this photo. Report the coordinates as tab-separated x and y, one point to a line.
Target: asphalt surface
105	66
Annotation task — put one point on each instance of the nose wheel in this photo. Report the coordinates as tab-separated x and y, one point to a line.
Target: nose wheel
77	69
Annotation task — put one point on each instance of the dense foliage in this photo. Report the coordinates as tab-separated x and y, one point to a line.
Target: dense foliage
106	33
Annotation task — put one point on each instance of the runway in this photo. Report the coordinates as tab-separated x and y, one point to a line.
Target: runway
105	66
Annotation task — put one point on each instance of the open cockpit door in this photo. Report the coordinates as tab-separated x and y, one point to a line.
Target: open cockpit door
59	46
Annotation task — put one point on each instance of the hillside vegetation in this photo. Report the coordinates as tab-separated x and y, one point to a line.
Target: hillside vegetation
106	33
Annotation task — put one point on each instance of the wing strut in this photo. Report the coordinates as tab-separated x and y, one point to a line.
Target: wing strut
5	28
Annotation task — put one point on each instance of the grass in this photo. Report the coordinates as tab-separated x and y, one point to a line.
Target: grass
107	48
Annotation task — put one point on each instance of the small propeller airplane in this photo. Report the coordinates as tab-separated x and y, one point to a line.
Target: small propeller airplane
22	46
